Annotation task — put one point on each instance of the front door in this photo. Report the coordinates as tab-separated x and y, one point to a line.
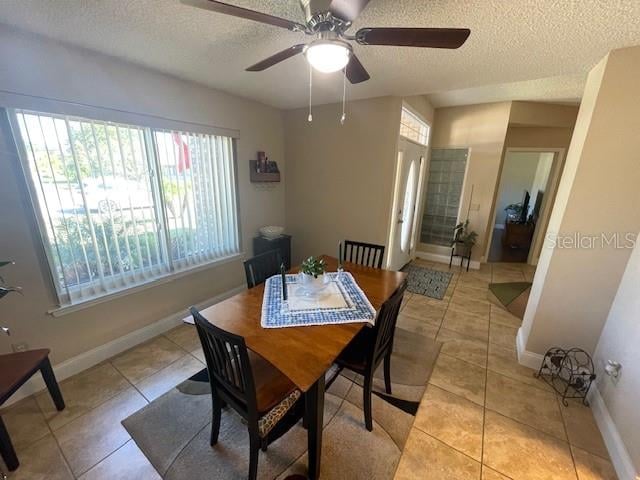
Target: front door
410	171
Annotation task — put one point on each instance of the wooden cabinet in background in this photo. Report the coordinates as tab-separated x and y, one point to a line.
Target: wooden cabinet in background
282	243
518	235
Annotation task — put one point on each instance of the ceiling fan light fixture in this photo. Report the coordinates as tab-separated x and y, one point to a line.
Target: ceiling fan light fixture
328	56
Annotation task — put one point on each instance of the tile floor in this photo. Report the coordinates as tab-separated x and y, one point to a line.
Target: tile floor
483	416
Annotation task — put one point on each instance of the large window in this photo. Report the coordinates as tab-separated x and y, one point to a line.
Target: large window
122	205
442	201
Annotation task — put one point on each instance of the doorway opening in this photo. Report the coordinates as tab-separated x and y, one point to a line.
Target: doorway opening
526	193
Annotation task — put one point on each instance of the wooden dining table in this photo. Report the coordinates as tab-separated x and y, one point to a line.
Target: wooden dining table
303	354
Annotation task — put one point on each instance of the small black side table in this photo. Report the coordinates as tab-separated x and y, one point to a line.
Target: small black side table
15	370
282	244
466	254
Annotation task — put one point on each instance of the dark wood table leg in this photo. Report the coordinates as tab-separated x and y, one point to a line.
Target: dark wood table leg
314	413
6	449
52	384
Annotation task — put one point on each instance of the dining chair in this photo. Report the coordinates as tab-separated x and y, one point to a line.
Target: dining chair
259	268
250	385
370	347
367	254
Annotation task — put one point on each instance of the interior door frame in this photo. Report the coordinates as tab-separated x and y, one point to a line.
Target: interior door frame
547	204
422	169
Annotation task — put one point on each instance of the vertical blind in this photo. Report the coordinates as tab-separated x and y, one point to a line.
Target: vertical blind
121	205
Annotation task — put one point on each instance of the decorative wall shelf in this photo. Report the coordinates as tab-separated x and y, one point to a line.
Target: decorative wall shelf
263	177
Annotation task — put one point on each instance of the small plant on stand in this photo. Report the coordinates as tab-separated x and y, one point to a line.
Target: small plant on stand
464	238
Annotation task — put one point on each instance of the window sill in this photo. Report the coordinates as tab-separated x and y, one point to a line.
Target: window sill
67	309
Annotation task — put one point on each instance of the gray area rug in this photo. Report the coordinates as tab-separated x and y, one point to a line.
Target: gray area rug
427	282
173	431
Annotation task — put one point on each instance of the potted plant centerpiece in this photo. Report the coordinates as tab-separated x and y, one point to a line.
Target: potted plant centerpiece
312	274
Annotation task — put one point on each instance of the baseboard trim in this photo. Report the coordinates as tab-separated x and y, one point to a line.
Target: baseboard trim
528	359
88	359
434	257
615	446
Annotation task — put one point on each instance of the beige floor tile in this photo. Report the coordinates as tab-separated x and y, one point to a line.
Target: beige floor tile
164	380
405	299
505	361
128	462
42	461
82	392
463	347
473	282
503	317
502	335
185	335
582	429
430	313
459	377
477	307
468	324
525	453
471	292
592	467
507	277
451	419
525	403
199	354
417	325
489	474
92	437
147	358
425	458
25	423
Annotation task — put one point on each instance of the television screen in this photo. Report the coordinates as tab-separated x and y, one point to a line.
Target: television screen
525	207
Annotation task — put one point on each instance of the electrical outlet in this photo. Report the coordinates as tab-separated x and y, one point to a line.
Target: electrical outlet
19	347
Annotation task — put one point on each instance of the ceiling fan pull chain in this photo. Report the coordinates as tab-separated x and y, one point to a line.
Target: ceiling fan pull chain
344	95
310	117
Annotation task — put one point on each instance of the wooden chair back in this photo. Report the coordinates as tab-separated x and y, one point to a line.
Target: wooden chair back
259	268
228	365
386	325
367	254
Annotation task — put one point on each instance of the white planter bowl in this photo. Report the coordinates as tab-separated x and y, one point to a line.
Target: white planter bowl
271	232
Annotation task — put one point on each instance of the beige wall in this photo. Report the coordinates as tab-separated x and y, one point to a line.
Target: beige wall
46	69
518	174
538	114
619	341
538	137
340	177
574	288
482	128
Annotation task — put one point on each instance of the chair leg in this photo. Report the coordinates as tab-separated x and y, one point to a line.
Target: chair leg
387	372
6	449
215	420
52	384
263	444
254	450
366	401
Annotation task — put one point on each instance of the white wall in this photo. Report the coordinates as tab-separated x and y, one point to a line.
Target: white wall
43	69
620	341
518	174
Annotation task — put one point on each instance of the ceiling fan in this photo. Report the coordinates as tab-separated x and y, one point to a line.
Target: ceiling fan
328	21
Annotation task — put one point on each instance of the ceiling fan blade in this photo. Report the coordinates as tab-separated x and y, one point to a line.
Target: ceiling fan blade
414	37
347	9
221	7
355	71
277	58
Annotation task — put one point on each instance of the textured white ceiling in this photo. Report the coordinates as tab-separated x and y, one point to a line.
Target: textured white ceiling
512	42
